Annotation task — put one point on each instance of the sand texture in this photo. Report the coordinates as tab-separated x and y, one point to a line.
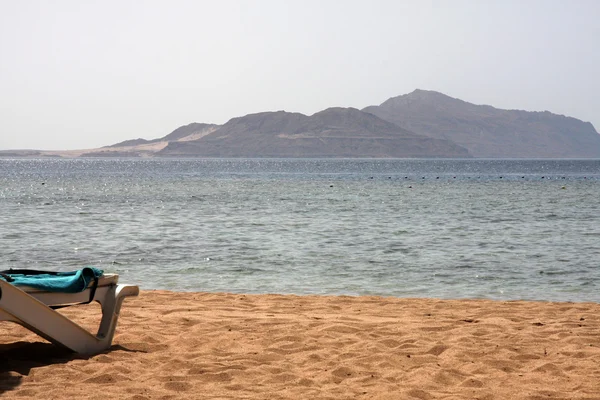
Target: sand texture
231	346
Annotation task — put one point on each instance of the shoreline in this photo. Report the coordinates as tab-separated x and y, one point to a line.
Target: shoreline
226	345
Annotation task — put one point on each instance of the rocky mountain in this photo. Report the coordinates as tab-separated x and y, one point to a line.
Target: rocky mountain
335	132
490	132
419	124
192	131
149	148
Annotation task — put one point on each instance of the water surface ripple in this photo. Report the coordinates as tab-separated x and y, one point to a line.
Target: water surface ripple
499	229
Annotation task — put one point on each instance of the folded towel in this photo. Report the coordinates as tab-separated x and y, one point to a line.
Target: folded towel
65	282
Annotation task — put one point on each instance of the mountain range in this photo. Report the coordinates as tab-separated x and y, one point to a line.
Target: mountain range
490	132
334	132
420	124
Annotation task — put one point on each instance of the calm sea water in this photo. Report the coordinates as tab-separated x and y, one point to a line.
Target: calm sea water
499	229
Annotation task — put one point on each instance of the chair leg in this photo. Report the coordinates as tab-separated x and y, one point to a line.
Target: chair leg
18	306
111	307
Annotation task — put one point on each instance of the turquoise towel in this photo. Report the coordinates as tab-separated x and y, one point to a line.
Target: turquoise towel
65	282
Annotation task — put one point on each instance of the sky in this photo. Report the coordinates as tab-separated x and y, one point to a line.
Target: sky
84	74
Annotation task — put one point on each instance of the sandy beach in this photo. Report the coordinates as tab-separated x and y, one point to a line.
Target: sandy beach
231	346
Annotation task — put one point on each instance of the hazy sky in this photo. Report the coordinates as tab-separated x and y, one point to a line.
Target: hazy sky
83	74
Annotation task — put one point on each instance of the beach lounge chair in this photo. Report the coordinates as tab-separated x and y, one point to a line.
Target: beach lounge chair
33	305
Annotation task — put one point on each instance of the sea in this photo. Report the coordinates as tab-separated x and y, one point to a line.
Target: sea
440	228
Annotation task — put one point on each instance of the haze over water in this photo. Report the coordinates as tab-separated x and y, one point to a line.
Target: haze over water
499	229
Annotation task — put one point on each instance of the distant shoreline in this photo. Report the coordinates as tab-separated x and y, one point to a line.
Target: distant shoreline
83	154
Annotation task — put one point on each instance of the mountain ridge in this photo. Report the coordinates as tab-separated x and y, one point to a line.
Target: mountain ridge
334	132
422	123
489	132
